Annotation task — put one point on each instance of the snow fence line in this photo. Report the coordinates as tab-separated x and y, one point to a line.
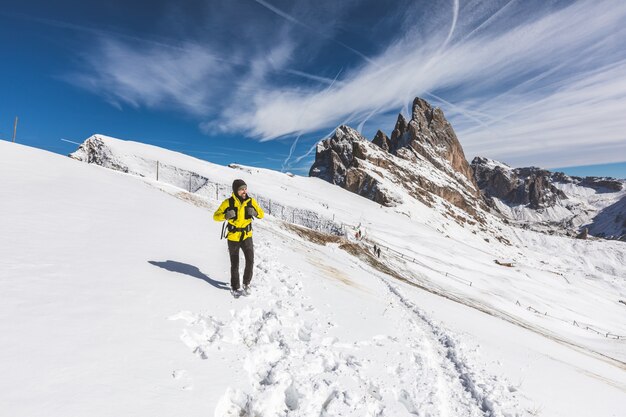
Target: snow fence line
606	333
202	186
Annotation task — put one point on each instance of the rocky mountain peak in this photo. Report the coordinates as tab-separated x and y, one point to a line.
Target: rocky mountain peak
382	140
430	135
399	130
335	155
423	156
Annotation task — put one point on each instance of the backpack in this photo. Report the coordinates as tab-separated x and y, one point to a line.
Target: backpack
229	228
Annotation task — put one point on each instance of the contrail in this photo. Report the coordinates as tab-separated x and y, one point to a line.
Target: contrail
313	77
293	146
437	54
304	108
460	110
293	20
301	157
373	112
71	141
281	13
488	20
455	17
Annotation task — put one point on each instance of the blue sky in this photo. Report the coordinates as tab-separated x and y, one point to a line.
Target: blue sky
260	82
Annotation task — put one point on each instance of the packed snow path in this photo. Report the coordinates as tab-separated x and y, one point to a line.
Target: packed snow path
295	368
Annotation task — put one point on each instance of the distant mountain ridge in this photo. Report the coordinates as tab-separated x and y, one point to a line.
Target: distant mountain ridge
554	201
424	159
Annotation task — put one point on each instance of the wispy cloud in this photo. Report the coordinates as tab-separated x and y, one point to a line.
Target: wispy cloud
545	89
140	75
528	82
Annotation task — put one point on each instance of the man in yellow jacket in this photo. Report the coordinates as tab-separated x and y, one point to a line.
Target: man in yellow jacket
238	211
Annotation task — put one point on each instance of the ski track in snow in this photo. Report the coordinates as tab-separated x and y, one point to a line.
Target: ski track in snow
294	370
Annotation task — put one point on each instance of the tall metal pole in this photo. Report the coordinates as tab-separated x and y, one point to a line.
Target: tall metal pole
14	129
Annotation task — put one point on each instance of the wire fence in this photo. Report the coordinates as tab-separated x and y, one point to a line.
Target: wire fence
585	326
202	186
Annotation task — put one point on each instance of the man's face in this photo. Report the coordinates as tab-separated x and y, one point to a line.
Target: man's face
242	192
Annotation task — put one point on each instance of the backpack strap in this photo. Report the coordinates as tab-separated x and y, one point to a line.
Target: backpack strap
243	230
226	226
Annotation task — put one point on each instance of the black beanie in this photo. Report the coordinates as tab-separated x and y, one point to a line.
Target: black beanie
237	184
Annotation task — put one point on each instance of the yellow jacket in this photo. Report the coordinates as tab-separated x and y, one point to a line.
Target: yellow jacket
240	221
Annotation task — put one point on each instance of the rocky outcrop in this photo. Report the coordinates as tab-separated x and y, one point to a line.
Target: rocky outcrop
600	184
530	186
339	160
423	156
95	151
554	202
382	141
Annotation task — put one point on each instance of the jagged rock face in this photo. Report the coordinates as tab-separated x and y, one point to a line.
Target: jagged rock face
332	157
382	141
520	186
337	161
423	156
431	135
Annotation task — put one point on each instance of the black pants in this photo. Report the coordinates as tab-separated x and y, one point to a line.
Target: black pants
248	253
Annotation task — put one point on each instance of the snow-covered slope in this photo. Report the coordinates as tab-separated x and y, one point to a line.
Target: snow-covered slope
115	301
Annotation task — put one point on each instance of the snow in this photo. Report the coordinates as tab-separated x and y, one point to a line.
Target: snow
116	302
491	164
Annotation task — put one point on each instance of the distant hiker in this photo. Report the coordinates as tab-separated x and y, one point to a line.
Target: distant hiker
378	252
375	249
238	211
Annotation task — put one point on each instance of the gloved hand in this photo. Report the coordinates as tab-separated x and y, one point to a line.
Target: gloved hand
230	214
251	211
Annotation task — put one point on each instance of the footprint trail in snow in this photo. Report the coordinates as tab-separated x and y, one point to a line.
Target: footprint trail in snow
295	368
